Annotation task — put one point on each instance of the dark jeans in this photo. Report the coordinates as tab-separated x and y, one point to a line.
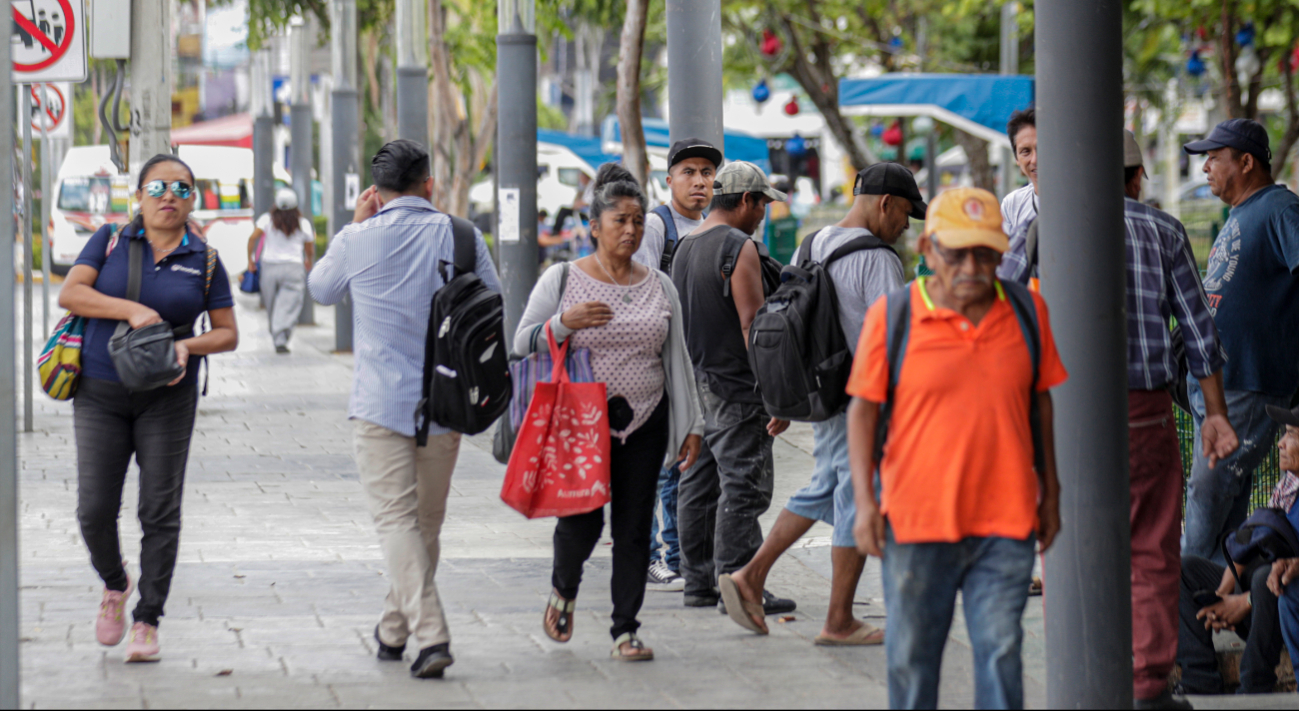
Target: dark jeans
920	585
665	544
721	497
634	476
111	424
1261	631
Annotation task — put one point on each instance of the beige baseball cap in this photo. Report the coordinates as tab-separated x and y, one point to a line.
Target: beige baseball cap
1131	151
744	177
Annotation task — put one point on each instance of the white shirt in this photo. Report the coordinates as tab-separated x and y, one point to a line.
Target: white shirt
279	248
651	247
859	278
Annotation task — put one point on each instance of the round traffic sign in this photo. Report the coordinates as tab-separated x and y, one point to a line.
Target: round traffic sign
55	112
58	46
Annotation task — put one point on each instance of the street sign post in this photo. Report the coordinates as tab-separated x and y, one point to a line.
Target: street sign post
48	41
51	108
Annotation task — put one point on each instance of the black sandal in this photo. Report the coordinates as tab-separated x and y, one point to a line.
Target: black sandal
637	651
563	628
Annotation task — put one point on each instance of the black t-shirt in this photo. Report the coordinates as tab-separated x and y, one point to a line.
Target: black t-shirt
712	324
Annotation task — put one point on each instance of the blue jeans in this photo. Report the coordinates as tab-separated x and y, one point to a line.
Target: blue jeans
920	585
1217	500
1288	611
664	543
828	497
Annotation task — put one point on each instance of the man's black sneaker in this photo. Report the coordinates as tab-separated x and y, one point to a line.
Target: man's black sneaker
432	661
771	605
701	599
282	350
1166	700
661	578
388	653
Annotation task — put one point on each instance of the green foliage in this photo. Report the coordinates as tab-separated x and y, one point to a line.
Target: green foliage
551	117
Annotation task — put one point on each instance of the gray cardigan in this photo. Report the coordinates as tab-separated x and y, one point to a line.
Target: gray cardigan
685	418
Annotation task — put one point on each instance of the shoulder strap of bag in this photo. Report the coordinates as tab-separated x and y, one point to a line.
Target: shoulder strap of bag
897	330
804	253
670	235
466	246
730	256
1030	244
539	328
857	244
114	234
134	272
1021	299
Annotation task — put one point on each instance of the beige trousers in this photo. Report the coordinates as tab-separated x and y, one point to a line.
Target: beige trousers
407	487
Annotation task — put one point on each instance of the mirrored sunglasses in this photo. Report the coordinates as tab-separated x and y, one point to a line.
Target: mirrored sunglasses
157	188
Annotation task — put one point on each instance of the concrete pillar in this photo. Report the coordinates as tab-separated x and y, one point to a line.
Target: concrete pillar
516	155
695	70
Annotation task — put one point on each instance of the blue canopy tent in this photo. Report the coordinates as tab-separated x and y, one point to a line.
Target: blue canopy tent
979	104
588	148
739	145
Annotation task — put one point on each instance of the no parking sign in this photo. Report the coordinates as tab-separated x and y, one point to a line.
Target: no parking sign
47	40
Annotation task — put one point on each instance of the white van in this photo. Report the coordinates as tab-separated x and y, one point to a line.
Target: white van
90	192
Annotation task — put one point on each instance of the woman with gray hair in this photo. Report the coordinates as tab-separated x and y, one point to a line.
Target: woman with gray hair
629	317
287	247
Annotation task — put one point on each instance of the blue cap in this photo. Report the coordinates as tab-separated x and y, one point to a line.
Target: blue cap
1241	134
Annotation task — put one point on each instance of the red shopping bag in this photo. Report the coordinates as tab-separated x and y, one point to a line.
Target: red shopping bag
560	462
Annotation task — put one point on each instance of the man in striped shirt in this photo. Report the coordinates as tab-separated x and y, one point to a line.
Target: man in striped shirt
388	259
1163	282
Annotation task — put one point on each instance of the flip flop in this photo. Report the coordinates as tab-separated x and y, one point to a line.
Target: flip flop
744	613
639	652
865	636
563	629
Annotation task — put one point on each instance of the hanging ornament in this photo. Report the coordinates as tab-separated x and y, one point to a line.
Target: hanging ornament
893	136
761	93
771	44
1195	66
877	129
791	109
895	43
1247	64
1294	59
1245	37
796	147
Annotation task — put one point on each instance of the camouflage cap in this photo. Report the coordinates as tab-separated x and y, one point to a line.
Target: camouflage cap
744	177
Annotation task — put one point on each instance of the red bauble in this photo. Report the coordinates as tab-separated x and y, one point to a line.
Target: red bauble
892	136
792	107
771	44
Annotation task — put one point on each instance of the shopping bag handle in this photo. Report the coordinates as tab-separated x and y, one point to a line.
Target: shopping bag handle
558	357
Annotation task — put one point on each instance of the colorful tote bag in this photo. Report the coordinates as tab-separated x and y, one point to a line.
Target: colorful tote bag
560	462
59	365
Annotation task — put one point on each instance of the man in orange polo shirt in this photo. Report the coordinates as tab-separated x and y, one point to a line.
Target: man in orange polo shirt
963	503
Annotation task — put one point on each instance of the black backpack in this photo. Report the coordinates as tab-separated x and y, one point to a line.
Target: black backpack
466	358
797	350
670	237
735	241
897	331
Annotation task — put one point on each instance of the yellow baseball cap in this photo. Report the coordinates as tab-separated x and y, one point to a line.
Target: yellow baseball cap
966	217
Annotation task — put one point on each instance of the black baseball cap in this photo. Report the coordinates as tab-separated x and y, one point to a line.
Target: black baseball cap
891	179
694	148
1241	134
1284	416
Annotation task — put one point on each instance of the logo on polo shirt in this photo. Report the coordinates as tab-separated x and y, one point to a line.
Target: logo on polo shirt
187	270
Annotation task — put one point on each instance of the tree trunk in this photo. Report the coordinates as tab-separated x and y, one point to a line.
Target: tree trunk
632	44
444	116
1227	53
1291	135
976	155
371	59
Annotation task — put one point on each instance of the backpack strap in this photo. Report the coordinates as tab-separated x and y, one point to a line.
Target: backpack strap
1021	300
804	253
1030	245
114	234
897	330
670	236
857	244
734	245
465	243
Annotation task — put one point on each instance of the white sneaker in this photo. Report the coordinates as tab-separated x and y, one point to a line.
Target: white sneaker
661	578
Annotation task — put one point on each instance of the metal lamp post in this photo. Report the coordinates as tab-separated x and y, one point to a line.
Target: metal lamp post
412	71
516	154
345	136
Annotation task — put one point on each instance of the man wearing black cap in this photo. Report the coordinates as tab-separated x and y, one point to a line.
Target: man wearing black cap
1253	293
692	167
886	196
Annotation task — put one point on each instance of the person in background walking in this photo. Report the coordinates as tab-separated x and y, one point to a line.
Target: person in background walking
886	197
722	496
1019	207
112	423
1253	293
630	319
962	496
388	260
692	164
288	246
1163	282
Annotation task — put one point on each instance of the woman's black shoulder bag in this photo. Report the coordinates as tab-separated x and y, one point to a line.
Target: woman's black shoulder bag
145	358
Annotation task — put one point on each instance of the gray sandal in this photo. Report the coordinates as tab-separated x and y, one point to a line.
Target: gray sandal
562	631
639	652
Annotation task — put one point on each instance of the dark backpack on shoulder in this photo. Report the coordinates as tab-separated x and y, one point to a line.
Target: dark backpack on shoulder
797	349
1265	537
897	331
670	237
466	359
735	241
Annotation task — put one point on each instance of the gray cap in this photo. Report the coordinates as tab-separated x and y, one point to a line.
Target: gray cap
1131	151
744	177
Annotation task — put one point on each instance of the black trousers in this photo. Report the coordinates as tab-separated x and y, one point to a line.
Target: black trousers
111	424
634	477
1261	631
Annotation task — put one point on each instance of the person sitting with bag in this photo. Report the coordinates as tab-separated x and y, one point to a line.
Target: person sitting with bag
141	292
1255	600
629	317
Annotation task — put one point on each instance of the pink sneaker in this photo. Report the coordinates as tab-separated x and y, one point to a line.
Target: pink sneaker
143	646
110	626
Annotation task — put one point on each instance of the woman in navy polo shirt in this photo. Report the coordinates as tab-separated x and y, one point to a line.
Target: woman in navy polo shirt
112	423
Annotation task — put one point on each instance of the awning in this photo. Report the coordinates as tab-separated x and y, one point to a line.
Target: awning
739	145
979	104
588	148
235	130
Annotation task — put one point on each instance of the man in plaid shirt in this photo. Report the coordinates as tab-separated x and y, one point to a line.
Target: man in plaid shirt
1163	282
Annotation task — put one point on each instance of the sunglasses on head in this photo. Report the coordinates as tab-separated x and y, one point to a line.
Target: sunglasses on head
158	188
955	257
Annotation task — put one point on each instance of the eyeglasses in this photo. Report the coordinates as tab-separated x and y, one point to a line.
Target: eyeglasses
158	188
955	257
